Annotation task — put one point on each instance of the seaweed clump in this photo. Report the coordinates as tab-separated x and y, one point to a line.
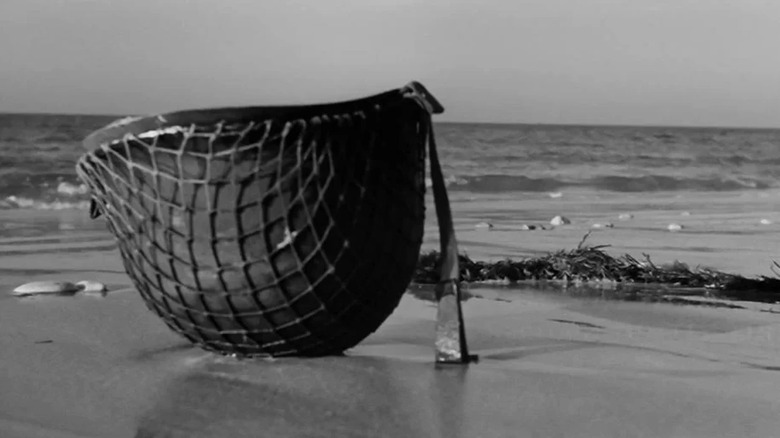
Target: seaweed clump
590	264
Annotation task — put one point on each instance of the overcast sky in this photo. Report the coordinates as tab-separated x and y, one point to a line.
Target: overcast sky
668	62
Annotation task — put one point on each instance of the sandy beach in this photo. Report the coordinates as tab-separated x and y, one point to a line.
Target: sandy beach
721	230
551	365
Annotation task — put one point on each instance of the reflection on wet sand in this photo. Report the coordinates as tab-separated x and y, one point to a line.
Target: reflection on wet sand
335	396
545	386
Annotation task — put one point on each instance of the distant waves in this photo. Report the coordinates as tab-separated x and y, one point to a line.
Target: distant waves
646	183
42	194
55	192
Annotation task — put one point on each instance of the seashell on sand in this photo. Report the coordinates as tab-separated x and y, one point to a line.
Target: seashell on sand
560	220
485	226
89	286
46	287
674	227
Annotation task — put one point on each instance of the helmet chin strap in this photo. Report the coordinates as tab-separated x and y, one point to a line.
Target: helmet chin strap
451	346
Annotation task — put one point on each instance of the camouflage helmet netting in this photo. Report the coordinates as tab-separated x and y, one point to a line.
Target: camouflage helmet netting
276	236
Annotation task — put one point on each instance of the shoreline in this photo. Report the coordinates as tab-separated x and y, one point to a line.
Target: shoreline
723	230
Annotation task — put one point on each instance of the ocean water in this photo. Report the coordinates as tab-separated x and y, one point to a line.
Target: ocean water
539	158
38	153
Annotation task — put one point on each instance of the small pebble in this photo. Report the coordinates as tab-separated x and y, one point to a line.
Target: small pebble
625	216
560	220
674	227
486	226
685	213
607	225
91	286
766	222
556	195
526	227
46	287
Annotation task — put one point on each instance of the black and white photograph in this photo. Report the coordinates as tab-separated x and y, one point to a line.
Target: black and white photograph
389	218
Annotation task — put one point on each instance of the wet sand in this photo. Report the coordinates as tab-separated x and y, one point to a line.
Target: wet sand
722	230
551	365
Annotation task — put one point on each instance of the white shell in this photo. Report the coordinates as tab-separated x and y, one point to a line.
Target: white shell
606	225
46	287
625	216
674	227
766	222
559	220
483	226
555	195
91	286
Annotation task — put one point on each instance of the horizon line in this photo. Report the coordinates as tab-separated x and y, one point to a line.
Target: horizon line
462	122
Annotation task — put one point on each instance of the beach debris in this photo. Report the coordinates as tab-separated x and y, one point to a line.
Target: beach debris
560	220
625	216
674	227
66	188
766	222
591	264
483	226
46	287
606	225
89	286
18	202
526	227
578	323
555	195
685	213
